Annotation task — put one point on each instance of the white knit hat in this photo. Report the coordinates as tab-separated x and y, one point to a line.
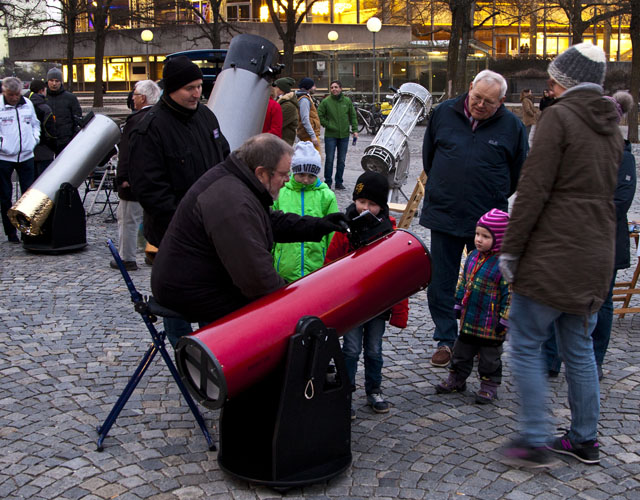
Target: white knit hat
580	63
306	159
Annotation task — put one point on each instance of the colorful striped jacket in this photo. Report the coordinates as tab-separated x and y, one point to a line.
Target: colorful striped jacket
483	297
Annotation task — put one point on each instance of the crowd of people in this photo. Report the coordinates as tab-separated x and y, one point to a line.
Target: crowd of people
532	275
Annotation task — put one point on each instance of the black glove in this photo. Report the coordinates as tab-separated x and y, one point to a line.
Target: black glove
500	327
333	222
458	313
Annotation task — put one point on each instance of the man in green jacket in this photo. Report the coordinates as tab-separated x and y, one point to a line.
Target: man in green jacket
337	114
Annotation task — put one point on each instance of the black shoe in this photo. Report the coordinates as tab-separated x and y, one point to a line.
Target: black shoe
600	374
587	452
13	238
377	402
553	374
328	184
353	414
129	265
340	187
524	455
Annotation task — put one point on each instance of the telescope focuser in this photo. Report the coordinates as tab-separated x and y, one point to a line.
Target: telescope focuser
367	228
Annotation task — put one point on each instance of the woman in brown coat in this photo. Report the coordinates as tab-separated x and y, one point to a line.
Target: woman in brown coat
529	111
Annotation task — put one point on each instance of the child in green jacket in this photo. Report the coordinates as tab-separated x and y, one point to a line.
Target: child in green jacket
304	194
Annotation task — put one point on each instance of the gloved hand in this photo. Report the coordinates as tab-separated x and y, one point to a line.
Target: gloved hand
333	222
500	327
508	265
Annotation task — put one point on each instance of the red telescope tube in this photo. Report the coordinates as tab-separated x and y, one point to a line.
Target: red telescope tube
227	356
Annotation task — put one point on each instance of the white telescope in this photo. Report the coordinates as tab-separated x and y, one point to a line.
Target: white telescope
388	153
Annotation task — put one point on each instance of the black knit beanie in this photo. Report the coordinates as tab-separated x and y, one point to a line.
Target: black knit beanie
178	72
372	186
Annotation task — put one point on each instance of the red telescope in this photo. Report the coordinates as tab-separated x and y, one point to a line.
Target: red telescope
222	359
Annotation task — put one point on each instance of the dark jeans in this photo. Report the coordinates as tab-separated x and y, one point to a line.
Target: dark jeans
25	177
489	361
176	328
446	252
368	336
600	335
330	145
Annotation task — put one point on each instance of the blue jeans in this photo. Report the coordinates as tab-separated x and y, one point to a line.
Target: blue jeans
25	177
330	145
446	252
600	335
371	334
178	327
529	323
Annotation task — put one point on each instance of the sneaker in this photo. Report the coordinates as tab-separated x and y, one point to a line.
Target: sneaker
587	452
129	265
452	384
340	187
521	454
377	402
442	356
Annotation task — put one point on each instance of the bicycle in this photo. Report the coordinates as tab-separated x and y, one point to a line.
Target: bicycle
369	117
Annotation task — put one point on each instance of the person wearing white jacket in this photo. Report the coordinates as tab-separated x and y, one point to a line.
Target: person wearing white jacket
19	135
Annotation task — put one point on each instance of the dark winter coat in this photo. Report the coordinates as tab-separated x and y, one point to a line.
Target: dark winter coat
171	148
68	115
122	172
45	149
623	197
216	254
290	116
563	222
469	172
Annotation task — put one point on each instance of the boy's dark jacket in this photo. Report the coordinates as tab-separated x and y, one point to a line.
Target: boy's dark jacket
340	246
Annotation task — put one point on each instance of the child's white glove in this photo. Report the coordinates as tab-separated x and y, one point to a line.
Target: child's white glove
508	265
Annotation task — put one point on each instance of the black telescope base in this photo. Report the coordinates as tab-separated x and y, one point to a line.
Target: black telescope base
65	230
293	428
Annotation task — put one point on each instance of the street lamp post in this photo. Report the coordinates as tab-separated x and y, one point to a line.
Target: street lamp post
147	36
374	25
333	36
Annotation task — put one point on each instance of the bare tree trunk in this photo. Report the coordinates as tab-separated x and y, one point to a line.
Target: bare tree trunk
454	45
467	29
634	29
70	44
99	60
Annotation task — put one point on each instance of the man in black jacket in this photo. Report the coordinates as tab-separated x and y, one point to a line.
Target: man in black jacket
216	255
178	140
145	94
44	151
65	107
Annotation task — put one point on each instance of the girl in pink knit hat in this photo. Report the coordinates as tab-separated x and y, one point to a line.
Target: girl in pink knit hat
482	305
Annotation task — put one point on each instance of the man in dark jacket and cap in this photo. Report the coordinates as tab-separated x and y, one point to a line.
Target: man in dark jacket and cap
289	104
472	154
65	107
177	141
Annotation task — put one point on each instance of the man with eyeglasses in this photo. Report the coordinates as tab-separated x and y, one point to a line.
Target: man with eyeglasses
472	154
216	254
145	94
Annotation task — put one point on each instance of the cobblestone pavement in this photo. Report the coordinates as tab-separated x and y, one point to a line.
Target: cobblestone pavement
69	339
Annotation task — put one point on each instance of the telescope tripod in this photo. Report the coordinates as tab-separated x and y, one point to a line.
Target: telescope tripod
146	310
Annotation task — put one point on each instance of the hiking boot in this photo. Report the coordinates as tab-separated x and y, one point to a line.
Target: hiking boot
377	402
442	356
587	452
522	454
340	187
452	384
488	392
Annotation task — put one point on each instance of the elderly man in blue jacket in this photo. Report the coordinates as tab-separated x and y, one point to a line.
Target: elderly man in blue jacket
472	154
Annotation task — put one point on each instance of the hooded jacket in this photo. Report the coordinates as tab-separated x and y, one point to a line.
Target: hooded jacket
623	197
68	115
309	121
337	115
294	260
45	149
289	104
469	172
563	222
216	255
19	130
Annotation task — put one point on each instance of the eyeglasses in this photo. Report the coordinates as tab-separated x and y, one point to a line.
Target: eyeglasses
481	100
281	174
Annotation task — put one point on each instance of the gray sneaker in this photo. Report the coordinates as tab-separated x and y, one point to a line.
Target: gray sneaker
377	402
